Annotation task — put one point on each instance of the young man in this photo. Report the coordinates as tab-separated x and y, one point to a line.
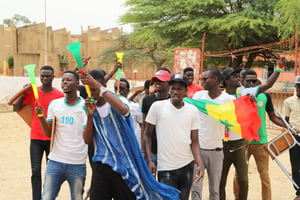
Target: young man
119	171
176	124
264	104
39	143
68	157
211	134
292	115
161	83
135	109
192	87
234	149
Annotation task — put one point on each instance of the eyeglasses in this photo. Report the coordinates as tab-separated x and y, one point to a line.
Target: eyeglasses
251	81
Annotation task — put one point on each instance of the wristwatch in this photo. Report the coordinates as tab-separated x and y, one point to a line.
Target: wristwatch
102	90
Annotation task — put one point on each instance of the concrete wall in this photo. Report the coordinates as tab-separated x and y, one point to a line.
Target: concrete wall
27	45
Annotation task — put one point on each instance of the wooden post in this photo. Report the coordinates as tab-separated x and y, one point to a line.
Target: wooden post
296	50
202	57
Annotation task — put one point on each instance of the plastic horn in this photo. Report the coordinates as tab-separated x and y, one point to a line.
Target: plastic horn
75	50
119	59
30	70
31	73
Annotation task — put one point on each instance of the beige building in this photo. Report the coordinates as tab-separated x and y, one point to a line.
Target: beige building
27	46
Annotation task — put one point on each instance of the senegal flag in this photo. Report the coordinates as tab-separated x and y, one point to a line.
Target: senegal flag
239	115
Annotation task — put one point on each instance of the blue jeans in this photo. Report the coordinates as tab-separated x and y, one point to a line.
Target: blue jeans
37	149
181	179
57	173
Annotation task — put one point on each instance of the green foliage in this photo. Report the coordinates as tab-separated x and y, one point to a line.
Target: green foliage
228	24
18	20
10	62
136	51
287	17
63	57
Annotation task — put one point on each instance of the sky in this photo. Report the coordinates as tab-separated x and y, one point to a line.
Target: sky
69	14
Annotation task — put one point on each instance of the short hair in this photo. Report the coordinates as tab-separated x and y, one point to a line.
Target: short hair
47	67
188	69
147	84
249	72
98	75
164	68
74	74
215	72
103	71
126	82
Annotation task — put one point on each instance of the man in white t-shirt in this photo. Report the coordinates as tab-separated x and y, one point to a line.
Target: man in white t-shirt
68	157
235	148
211	134
119	170
176	123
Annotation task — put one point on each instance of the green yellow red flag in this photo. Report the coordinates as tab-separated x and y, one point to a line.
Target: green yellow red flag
239	115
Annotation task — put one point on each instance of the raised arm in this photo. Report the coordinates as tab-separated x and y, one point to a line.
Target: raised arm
109	97
272	79
110	74
88	133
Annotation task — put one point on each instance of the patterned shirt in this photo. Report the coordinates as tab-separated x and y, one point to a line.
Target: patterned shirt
292	110
116	145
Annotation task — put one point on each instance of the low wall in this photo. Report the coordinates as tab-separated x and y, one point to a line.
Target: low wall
10	85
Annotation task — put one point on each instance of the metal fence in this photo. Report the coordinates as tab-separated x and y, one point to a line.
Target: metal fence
278	100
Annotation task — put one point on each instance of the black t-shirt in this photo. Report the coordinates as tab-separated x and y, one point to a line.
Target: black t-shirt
146	104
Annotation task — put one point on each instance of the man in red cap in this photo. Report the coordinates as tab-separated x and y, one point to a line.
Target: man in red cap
161	84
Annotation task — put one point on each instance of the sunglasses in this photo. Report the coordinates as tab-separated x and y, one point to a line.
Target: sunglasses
251	81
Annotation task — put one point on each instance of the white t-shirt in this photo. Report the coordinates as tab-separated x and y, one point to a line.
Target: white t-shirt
173	131
211	132
105	109
249	91
232	135
68	146
137	117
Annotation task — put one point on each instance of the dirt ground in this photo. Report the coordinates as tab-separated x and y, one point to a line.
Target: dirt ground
15	167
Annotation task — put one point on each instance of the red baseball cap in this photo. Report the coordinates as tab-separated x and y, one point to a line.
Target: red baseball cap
161	75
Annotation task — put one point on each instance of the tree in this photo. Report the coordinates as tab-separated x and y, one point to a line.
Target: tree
18	20
228	24
10	61
287	17
136	52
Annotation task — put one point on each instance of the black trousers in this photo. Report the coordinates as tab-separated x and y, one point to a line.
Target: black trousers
37	150
107	184
295	164
181	179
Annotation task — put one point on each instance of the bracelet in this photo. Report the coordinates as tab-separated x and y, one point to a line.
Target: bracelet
279	68
40	115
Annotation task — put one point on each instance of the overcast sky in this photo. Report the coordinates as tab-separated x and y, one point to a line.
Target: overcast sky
69	14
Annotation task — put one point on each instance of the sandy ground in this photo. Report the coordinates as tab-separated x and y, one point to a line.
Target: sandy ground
15	167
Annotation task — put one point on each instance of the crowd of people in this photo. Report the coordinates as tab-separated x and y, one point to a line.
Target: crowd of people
152	144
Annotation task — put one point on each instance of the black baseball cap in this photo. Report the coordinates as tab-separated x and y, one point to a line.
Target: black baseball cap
228	72
178	77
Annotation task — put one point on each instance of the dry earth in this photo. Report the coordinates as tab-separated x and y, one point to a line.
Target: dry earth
15	167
